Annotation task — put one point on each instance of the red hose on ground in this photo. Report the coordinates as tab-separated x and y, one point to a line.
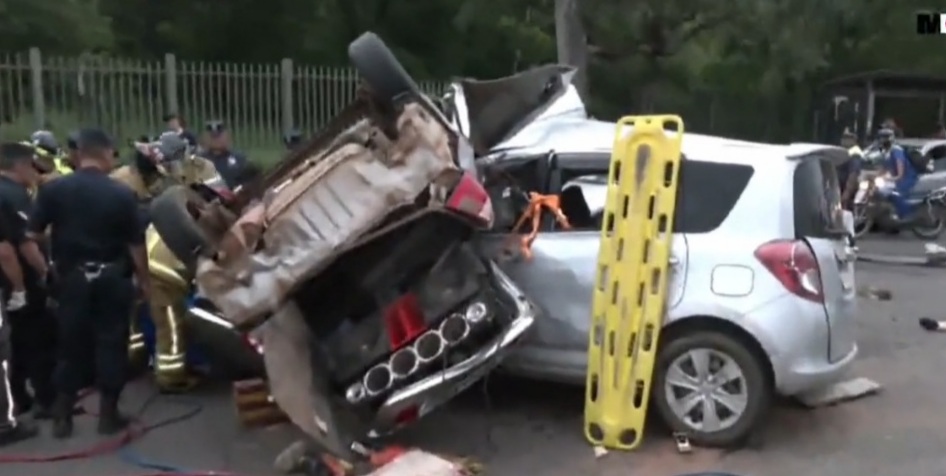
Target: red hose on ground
134	431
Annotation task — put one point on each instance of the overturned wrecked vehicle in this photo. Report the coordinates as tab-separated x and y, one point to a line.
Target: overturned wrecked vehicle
353	265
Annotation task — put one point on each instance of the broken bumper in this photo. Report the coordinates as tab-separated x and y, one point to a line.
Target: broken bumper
438	388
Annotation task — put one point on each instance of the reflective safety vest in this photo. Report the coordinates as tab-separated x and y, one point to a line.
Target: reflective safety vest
62	166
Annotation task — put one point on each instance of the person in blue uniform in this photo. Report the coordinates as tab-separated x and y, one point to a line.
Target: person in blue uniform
98	245
218	149
32	326
12	430
900	170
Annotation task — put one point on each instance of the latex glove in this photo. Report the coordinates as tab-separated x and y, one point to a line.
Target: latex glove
17	300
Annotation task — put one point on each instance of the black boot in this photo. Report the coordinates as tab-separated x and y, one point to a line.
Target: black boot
62	416
21	431
111	420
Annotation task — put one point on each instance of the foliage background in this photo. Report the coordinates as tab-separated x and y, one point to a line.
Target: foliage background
749	68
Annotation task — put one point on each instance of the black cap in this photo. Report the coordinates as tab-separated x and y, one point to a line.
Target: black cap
12	153
94	138
215	127
171	115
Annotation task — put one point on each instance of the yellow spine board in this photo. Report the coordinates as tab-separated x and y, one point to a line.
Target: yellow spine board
631	286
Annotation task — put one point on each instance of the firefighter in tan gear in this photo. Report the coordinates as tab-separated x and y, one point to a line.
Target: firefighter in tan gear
158	165
49	158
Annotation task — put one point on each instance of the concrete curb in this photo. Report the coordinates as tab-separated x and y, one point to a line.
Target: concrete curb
929	261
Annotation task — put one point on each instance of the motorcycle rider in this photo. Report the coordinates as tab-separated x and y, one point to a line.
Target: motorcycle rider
900	171
849	172
218	149
170	284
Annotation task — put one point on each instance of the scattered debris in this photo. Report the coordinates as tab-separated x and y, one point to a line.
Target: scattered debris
840	392
932	325
422	463
934	252
903	260
291	459
875	293
600	451
683	442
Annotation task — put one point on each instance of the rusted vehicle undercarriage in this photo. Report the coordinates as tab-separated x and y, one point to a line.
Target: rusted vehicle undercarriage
353	265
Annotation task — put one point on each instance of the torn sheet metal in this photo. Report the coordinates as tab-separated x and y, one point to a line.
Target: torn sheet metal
301	389
321	209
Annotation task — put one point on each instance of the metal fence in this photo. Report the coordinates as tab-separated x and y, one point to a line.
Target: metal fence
129	97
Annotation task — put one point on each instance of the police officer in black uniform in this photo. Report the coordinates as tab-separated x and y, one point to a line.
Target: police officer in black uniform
11	430
217	149
97	244
33	328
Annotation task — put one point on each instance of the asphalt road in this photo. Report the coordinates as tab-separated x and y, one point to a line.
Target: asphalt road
530	428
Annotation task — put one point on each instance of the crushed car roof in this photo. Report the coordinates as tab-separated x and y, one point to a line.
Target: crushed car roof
577	136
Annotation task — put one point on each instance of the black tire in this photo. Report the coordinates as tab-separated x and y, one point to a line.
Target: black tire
378	66
866	225
177	226
758	387
937	224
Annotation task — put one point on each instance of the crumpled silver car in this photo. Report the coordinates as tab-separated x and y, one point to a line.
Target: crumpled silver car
762	296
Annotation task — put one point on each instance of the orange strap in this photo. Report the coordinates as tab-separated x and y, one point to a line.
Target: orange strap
537	203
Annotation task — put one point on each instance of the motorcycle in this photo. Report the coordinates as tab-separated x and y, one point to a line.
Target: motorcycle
872	207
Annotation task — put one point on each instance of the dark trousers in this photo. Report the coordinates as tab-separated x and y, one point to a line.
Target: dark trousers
33	342
7	421
93	330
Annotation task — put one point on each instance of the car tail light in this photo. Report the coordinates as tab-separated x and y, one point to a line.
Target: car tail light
794	265
471	199
403	321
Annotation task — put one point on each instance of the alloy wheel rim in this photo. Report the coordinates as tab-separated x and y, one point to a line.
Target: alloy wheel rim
706	390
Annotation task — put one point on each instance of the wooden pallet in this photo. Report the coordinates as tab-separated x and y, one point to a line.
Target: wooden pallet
255	406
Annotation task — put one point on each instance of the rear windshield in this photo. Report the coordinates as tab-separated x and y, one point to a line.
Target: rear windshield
817	200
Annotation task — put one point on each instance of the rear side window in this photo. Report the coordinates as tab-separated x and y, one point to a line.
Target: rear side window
817	200
707	192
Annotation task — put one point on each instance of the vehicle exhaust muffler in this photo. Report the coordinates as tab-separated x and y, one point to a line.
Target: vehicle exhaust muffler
377	379
429	346
454	329
403	363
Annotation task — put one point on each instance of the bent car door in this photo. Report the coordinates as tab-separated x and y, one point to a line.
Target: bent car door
819	221
560	275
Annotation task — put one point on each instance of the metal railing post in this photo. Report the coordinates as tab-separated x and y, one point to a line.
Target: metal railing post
170	84
287	106
36	80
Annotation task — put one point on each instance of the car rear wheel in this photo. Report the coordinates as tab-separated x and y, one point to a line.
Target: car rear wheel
174	215
380	68
712	388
